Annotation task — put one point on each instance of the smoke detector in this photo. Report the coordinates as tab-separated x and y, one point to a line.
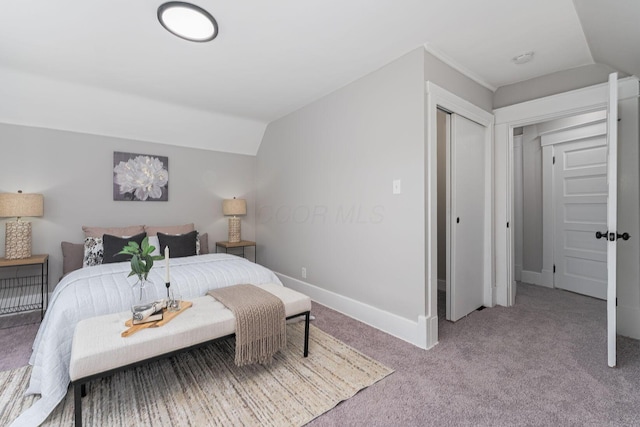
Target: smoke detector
523	58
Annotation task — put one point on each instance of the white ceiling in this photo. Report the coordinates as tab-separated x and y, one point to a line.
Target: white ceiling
272	57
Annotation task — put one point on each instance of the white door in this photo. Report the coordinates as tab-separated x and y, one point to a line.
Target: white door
465	288
580	197
612	217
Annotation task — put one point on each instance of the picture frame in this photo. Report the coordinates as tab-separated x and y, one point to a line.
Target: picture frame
140	177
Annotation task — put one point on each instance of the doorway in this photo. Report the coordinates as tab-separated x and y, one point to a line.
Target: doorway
481	122
626	315
560	200
461	183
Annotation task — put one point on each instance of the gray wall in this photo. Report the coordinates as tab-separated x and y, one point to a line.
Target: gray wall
325	197
339	155
532	200
74	173
551	84
456	82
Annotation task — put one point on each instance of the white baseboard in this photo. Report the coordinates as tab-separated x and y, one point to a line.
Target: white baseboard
535	278
547	278
419	333
628	321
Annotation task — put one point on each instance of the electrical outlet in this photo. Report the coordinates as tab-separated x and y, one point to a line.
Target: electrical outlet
304	272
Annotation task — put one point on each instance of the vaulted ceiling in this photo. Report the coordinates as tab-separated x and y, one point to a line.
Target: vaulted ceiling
273	57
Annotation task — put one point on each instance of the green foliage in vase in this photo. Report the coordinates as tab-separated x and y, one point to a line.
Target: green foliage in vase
141	258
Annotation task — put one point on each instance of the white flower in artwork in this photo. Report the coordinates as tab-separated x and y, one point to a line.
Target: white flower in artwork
143	176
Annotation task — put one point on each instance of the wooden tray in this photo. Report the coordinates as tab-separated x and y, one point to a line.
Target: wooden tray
167	316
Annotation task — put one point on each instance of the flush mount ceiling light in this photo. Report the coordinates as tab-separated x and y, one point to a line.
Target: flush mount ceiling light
523	58
188	21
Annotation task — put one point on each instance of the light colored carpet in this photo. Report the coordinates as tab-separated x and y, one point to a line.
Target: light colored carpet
203	387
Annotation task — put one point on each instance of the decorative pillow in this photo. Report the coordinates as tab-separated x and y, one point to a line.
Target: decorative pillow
93	251
179	246
203	240
113	244
72	256
153	241
170	229
202	244
132	230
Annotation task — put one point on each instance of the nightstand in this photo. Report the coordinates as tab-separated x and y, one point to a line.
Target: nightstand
12	289
241	244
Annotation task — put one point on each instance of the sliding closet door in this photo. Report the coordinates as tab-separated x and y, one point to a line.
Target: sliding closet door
467	192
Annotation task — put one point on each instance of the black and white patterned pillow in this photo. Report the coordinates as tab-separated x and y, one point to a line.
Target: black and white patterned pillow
93	251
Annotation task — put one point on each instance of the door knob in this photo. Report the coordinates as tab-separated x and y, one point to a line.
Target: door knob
600	235
624	236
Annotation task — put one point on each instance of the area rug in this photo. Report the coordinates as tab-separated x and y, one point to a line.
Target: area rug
203	387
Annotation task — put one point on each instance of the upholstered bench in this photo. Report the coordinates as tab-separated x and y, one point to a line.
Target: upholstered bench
98	349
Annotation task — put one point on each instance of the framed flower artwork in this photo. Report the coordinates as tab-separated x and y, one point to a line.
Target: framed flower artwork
140	177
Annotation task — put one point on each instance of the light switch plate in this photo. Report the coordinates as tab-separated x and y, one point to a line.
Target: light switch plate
396	186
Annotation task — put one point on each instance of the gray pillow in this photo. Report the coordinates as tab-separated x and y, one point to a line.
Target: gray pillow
204	243
72	256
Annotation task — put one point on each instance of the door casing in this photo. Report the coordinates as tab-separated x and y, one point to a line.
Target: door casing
437	97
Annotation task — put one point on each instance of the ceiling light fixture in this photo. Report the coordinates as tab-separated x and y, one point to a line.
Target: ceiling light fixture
188	21
523	58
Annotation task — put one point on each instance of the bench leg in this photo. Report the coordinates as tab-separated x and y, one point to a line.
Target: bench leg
77	402
306	333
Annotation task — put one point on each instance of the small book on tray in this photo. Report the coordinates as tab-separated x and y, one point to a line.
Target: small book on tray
148	312
155	316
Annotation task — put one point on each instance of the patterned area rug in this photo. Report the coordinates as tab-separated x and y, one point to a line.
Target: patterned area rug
203	387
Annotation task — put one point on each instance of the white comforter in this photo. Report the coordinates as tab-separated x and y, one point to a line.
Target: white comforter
105	289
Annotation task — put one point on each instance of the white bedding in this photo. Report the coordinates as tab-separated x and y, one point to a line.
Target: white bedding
106	289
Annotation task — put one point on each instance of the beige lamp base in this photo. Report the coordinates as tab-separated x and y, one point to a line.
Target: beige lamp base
18	240
234	230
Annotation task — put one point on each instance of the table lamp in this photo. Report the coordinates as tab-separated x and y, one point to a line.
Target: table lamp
234	207
18	233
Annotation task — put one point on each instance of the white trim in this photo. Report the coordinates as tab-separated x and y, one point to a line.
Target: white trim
548	213
460	106
612	218
439	97
460	68
503	237
560	136
547	279
536	278
566	104
400	327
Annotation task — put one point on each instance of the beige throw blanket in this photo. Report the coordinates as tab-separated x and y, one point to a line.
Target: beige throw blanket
260	322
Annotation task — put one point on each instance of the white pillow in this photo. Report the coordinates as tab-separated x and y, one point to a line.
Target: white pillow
155	242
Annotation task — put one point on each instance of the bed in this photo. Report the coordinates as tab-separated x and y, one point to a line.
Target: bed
105	289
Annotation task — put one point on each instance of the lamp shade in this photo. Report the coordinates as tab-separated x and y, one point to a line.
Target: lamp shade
20	204
234	207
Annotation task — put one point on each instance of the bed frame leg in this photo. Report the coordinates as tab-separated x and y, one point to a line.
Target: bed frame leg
78	390
306	333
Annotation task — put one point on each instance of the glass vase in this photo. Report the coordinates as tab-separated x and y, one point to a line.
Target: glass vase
139	291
